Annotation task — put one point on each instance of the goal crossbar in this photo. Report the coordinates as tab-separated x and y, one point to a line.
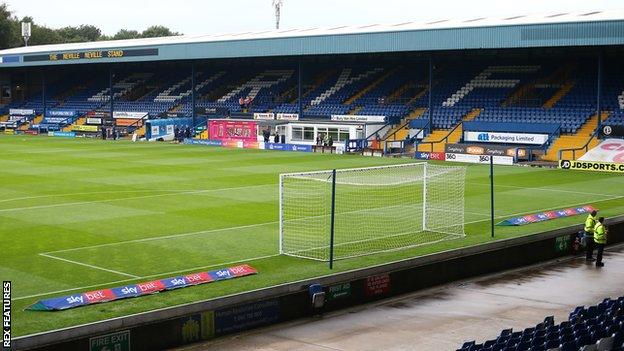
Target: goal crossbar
382	208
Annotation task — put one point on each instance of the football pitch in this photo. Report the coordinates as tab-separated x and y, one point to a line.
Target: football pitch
79	215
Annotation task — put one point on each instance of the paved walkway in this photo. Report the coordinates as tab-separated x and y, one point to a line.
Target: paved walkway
442	318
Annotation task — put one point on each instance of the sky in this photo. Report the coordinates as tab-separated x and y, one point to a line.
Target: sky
237	16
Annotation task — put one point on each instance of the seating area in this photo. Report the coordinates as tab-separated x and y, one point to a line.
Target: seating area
595	328
570	119
446	117
55	120
561	94
616	118
15	121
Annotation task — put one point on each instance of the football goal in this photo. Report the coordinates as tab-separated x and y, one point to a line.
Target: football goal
336	214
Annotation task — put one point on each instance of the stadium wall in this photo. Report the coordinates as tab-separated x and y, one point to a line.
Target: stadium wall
235	313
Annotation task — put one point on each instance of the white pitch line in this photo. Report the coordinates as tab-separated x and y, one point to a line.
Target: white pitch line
543	189
244	260
88	265
89	193
544	209
146	276
164	237
131	198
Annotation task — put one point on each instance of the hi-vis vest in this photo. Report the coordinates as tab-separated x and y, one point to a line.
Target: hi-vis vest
590	223
600	235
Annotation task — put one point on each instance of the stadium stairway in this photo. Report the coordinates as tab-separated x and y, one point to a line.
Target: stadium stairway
400	131
140	131
420	94
371	86
78	122
438	135
356	110
37	119
519	94
576	140
395	95
565	88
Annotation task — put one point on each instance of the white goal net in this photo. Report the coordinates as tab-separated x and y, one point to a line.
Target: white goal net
375	209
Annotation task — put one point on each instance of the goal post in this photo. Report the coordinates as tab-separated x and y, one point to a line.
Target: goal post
375	209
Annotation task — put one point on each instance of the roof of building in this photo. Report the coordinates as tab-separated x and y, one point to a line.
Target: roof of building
537	30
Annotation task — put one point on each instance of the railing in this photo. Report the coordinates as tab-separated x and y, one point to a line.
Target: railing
136	125
584	147
405	142
360	144
445	138
58	125
393	135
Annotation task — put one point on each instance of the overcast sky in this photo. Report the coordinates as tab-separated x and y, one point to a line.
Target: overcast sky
225	16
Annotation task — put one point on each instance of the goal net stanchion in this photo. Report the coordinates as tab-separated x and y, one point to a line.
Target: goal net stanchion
369	210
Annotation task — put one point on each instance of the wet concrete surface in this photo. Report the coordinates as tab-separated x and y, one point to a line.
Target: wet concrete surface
443	318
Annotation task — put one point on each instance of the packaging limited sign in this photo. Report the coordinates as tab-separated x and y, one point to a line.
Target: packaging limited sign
506	138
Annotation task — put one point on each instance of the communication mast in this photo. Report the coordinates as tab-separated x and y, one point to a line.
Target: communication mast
26	32
277	6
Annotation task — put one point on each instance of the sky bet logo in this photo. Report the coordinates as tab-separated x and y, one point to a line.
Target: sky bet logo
483	137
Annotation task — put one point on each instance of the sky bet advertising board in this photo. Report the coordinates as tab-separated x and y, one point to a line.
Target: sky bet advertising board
545	216
141	289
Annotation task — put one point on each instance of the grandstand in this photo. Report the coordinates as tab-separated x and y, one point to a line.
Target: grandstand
483	91
526	88
572	87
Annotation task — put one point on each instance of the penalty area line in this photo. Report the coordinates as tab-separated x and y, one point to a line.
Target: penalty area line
89	265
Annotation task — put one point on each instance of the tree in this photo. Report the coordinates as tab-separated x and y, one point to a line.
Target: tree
158	31
10	32
79	34
9	29
126	34
41	35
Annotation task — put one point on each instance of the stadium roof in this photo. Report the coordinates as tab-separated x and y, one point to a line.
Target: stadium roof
521	31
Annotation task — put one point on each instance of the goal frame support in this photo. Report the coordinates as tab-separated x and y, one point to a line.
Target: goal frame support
331	226
330	178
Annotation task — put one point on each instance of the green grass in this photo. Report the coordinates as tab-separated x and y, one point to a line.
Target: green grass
156	210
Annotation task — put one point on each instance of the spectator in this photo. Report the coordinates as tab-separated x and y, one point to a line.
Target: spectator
600	237
590	224
176	134
266	134
187	132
